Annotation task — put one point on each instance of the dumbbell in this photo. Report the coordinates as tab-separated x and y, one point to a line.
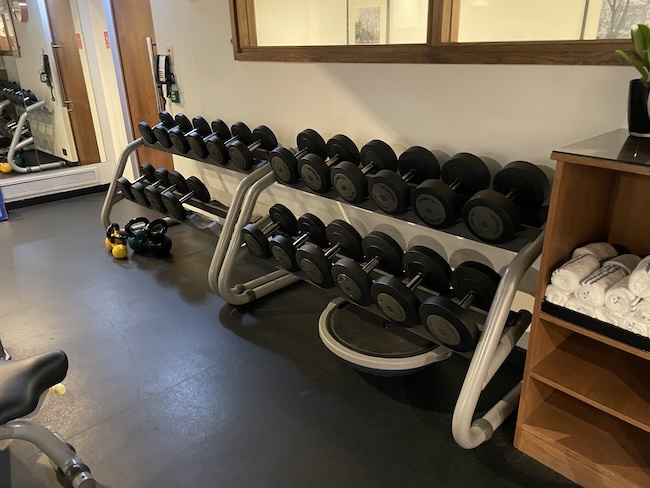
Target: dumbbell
180	139
154	194
158	242
137	238
257	240
198	143
241	154
450	322
392	191
316	171
398	300
284	248
138	190
190	188
181	122
124	185
438	203
350	180
218	146
147	132
354	280
493	215
285	162
316	262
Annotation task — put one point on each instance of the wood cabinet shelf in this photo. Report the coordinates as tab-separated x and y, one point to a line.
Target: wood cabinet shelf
587	445
602	376
585	402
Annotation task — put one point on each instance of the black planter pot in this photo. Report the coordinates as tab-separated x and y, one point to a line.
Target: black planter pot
638	118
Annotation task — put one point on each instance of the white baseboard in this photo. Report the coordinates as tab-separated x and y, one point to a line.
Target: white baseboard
32	185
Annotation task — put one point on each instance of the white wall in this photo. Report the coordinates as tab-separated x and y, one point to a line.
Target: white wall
505	112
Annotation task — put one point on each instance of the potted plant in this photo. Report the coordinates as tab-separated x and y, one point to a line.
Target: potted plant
637	108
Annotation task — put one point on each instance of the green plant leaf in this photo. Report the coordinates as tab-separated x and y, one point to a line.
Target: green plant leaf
636	63
638	41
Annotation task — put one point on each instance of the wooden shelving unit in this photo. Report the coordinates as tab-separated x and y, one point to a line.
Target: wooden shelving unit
585	404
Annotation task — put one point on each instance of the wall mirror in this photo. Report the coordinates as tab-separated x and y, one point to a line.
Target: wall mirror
19	9
8	40
435	31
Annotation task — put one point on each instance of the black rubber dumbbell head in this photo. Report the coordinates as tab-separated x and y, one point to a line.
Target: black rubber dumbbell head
315	171
147	133
162	133
451	323
218	147
198	143
257	239
147	172
161	178
350	180
396	299
438	203
285	162
154	194
192	188
180	139
284	248
492	215
316	262
354	280
391	191
242	154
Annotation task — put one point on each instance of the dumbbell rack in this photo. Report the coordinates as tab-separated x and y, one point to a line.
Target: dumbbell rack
495	343
17	143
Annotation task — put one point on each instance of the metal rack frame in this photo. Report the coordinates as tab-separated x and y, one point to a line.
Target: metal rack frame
17	144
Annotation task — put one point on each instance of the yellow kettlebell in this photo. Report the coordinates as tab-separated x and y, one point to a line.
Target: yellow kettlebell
5	168
115	242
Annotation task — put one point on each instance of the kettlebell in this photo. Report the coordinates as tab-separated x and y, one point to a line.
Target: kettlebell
137	239
158	242
115	242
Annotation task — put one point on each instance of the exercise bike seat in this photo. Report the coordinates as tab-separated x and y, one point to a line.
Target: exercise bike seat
23	381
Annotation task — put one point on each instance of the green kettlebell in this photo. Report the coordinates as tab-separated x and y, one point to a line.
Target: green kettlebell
137	239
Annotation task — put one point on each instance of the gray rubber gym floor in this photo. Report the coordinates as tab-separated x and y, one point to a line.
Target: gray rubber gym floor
170	387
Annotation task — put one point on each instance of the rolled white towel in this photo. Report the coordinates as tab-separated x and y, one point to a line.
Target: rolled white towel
568	276
619	299
642	311
556	296
637	327
600	250
580	307
640	279
604	314
592	289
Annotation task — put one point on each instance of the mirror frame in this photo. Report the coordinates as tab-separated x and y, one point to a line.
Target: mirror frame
439	48
19	9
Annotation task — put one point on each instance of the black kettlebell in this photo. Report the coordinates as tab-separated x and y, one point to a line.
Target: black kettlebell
158	242
137	239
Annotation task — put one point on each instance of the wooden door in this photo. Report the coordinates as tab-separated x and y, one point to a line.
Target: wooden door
68	60
133	24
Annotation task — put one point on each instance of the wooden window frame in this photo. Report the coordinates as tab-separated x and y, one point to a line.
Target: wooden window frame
439	48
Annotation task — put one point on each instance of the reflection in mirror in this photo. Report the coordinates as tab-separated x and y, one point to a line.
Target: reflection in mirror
19	8
340	22
548	20
9	32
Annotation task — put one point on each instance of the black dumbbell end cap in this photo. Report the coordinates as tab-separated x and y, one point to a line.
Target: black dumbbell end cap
256	242
350	183
201	192
436	204
344	148
380	154
352	280
240	155
340	232
390	192
284	165
396	300
451	325
220	129
491	217
421	161
146	132
173	205
468	168
310	223
528	180
285	218
284	253
315	265
315	173
432	266
312	141
381	245
477	278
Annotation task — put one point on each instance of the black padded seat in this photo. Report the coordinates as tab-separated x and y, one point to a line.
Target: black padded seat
23	381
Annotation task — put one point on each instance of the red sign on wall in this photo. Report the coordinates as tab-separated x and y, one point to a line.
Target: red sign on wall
79	43
106	40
